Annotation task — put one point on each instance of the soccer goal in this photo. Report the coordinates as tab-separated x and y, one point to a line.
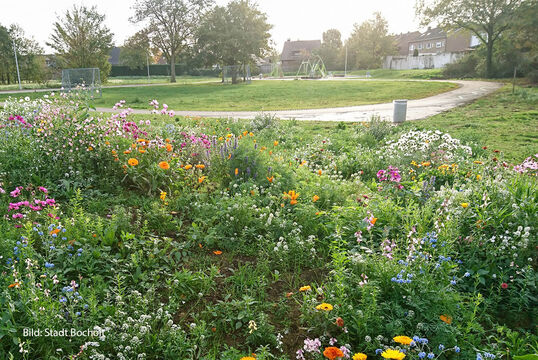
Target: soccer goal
87	79
236	73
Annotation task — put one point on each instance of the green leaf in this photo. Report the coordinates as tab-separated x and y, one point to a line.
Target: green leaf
527	357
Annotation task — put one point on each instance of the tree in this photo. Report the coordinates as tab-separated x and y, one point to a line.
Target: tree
171	25
331	49
29	56
370	43
135	50
81	40
487	19
234	34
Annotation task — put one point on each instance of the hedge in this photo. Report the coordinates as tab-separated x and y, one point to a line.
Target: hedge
158	69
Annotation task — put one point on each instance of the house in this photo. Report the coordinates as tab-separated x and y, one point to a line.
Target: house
402	41
437	41
435	48
295	52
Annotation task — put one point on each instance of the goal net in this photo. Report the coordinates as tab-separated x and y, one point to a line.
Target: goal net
236	74
83	79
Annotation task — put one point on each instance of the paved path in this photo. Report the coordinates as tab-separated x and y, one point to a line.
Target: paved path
416	109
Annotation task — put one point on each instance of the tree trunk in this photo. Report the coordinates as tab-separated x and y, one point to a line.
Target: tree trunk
173	68
489	58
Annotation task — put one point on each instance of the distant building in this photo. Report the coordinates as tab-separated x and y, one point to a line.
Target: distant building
402	41
295	52
434	48
437	41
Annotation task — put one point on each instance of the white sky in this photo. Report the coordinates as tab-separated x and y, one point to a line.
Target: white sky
292	19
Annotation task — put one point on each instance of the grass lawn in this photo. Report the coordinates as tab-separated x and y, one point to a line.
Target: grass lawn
398	74
268	95
501	121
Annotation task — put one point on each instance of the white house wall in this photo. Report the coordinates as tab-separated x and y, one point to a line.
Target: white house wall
421	62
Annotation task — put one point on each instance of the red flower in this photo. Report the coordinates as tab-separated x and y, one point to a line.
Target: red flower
339	322
504	285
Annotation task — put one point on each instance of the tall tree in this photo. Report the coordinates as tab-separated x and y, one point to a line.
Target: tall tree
171	25
331	49
487	19
136	50
234	34
82	40
370	43
29	56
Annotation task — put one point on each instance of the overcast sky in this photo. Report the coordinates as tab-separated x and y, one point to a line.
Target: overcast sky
291	19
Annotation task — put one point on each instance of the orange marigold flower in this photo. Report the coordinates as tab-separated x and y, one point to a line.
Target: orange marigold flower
236	171
141	150
187	167
404	340
447	319
373	221
169	148
127	152
200	166
217	252
332	352
305	288
167	140
55	232
164	165
132	162
15	284
315	198
275	143
319	172
90	148
293	202
270	179
201	179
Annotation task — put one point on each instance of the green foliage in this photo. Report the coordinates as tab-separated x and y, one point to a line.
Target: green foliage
81	40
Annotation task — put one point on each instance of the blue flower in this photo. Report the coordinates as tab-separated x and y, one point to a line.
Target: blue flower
467	274
456	349
478	356
49	265
63	299
77	313
431	355
421	355
416	338
378	351
441	347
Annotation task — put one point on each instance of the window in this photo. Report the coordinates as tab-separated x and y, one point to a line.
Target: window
420	46
428	46
411	47
439	44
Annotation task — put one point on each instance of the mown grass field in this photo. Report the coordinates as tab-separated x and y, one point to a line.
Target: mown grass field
267	95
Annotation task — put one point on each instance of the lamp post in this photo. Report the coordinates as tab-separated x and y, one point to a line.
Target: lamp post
345	64
147	64
17	64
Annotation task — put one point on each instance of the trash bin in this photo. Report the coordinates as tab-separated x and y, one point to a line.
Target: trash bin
400	111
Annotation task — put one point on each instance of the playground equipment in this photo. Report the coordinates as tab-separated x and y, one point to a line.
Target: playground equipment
313	68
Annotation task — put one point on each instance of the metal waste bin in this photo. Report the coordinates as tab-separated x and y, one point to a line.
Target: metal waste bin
400	111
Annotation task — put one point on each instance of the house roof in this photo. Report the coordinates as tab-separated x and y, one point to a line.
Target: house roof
293	49
430	34
114	56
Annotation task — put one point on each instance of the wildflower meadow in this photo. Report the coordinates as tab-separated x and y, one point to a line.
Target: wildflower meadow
130	236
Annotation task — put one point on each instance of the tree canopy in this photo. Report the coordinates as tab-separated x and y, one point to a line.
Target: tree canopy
234	34
171	25
331	49
136	50
370	42
487	19
82	40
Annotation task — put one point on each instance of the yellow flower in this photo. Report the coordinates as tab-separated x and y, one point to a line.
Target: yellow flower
393	354
478	177
305	288
200	166
236	171
187	167
132	162
324	307
163	195
248	358
464	205
164	165
359	356
201	179
404	340
315	198
275	143
478	162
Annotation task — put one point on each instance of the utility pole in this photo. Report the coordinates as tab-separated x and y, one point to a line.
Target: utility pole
147	62
17	64
345	64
